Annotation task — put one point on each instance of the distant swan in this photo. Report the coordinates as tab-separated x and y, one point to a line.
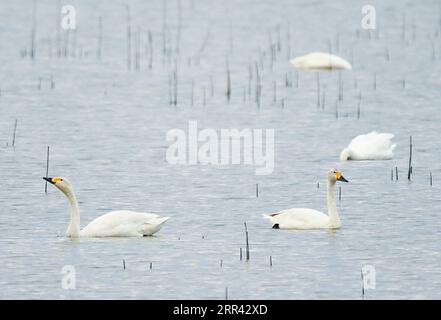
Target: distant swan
113	224
320	60
371	146
300	218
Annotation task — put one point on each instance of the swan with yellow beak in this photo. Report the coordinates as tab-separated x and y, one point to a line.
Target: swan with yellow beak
122	223
302	218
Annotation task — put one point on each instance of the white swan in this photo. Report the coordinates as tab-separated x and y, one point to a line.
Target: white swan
371	146
320	60
300	218
113	224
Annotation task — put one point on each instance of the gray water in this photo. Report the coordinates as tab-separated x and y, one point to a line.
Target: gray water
106	128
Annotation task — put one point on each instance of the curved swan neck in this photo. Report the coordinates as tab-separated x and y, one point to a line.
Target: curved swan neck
74	225
334	219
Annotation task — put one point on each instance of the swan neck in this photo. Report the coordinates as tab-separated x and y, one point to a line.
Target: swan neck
74	225
345	154
334	219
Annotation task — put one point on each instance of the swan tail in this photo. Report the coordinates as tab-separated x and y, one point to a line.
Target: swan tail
270	217
393	147
150	228
162	220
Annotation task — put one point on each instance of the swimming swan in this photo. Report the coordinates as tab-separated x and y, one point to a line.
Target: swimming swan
113	224
371	146
320	60
300	218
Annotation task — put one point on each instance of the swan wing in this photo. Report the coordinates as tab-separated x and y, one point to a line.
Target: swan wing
123	223
299	218
372	146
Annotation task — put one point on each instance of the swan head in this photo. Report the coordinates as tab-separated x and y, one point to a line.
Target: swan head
61	183
345	154
335	175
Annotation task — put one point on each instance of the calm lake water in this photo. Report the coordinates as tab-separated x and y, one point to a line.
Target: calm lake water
106	127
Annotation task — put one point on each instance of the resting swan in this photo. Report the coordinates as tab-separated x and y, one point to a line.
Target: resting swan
371	146
113	224
300	218
320	60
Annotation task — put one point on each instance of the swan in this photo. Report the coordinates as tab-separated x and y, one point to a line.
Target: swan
371	146
301	218
121	223
320	60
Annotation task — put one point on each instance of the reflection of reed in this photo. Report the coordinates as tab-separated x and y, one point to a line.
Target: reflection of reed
409	171
228	81
47	169
14	133
247	251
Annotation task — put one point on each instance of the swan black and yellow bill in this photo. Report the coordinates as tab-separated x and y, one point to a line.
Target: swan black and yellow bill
340	177
53	180
50	180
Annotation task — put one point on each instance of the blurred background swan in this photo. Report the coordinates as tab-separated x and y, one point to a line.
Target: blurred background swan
371	146
320	60
301	218
113	224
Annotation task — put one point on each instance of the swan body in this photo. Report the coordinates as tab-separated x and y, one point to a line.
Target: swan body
121	223
320	60
371	146
124	223
302	218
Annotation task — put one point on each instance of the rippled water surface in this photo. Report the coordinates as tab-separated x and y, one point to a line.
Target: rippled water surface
106	127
